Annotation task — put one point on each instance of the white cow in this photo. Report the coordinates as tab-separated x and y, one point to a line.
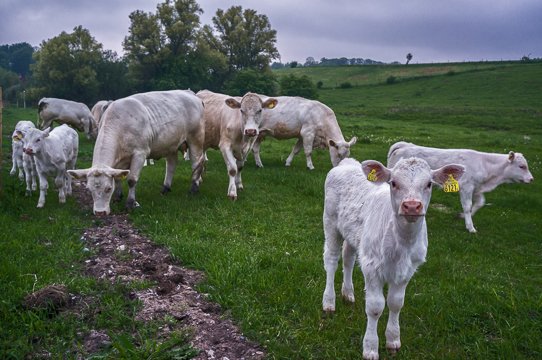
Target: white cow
383	224
98	109
21	159
231	125
484	173
147	125
311	122
54	152
75	114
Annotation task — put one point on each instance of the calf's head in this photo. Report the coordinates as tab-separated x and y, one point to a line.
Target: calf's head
251	107
410	183
518	169
33	140
339	150
101	183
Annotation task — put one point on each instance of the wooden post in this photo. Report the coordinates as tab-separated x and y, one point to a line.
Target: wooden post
1	105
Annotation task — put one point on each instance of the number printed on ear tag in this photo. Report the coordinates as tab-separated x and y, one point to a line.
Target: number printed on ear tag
372	176
451	185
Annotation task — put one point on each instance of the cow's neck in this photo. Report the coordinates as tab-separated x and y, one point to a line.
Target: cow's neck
406	233
494	170
333	131
108	148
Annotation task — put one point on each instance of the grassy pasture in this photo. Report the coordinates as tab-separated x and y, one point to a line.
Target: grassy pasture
477	297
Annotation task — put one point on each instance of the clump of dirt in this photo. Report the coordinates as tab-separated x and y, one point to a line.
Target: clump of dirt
53	297
123	254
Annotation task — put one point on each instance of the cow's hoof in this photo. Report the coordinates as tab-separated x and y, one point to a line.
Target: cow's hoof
40	206
130	204
116	199
165	190
460	216
233	197
100	213
27	193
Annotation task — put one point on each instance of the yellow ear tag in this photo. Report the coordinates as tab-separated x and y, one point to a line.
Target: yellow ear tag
231	104
451	185
47	135
271	105
122	176
16	138
20	136
372	176
510	157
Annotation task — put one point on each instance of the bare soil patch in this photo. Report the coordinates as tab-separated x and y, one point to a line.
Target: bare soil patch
123	254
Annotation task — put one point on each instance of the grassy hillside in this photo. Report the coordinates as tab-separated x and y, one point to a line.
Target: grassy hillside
479	296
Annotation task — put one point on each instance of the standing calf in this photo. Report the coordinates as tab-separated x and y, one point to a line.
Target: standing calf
384	226
484	171
54	152
21	159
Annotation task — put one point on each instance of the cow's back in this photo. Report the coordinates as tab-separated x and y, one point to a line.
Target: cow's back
50	108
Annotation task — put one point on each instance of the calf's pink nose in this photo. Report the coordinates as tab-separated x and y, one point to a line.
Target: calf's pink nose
412	207
250	132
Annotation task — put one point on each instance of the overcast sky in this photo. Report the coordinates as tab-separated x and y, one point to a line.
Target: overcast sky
383	30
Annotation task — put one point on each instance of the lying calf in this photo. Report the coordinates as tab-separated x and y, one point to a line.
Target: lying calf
384	225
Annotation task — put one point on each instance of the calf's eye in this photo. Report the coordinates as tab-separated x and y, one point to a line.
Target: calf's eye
522	166
393	184
429	185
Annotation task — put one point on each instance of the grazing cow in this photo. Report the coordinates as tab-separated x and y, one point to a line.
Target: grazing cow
311	122
484	171
231	125
21	159
98	109
54	152
75	114
147	125
384	226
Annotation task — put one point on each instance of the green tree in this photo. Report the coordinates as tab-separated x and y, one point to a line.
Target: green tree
408	58
66	66
246	38
291	85
169	50
17	58
293	64
261	82
112	73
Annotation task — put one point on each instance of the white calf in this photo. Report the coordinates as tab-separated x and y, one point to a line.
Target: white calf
384	226
22	160
484	172
54	152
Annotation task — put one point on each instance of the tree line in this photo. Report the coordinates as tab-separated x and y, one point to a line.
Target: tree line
164	50
310	61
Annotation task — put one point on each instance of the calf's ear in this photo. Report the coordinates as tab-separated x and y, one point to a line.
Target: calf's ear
440	176
234	104
79	174
119	174
270	103
511	156
353	141
333	144
375	171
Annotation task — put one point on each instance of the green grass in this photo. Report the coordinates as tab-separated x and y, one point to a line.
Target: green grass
40	247
477	297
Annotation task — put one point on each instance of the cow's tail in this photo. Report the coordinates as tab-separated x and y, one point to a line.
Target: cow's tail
398	145
42	105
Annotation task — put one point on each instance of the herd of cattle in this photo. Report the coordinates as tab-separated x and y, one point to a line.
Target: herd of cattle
372	212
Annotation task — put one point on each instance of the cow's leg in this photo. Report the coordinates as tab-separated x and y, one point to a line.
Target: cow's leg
29	173
374	305
297	147
256	151
396	299
86	127
171	164
117	194
332	254
466	202
60	182
70	165
135	170
197	162
14	155
186	155
307	145
349	260
231	165
46	123
238	181
479	201
43	188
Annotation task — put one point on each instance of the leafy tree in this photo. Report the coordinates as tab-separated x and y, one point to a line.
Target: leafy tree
319	84
293	64
277	65
17	58
291	85
169	50
112	73
261	82
246	38
346	85
408	58
66	66
310	61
